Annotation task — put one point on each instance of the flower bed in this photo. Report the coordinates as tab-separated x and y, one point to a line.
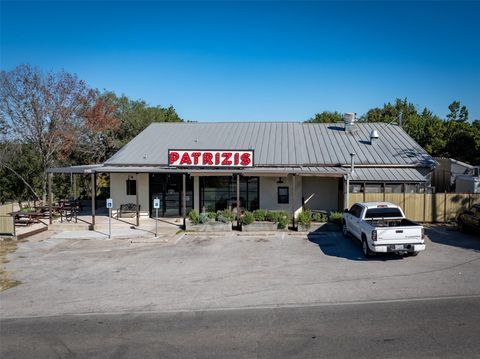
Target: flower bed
310	222
262	220
220	221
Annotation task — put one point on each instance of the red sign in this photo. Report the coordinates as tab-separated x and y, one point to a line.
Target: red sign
202	158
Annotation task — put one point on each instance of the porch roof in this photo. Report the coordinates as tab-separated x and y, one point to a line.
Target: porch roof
361	174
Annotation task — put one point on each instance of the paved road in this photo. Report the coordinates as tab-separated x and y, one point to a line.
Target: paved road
432	328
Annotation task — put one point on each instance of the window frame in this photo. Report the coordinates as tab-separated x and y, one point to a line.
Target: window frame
283	196
131	191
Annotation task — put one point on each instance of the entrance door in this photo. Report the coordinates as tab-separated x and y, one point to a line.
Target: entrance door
168	188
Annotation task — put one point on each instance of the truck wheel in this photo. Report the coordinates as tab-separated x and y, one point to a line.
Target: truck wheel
366	251
345	230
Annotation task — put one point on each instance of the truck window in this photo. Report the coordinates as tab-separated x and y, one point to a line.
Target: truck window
383	213
356	211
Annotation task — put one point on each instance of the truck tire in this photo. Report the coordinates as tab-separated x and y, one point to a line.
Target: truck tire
365	249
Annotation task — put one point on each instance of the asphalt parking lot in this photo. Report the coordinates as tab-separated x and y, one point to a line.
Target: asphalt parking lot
202	272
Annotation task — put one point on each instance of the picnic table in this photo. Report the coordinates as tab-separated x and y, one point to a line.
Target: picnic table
26	217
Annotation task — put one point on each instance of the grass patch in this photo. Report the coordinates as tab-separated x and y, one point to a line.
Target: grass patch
6	246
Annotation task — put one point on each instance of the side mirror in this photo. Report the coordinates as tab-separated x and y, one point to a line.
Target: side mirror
346	210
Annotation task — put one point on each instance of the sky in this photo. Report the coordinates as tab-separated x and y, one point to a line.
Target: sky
256	61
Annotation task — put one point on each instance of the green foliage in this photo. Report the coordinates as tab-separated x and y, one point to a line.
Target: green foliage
271	216
282	219
227	213
305	217
319	217
247	218
223	219
212	215
326	117
193	216
259	215
203	218
336	217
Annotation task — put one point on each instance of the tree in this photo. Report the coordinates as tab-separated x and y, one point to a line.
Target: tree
44	110
326	117
457	113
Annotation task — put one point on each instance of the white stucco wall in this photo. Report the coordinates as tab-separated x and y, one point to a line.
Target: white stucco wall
269	194
118	190
320	193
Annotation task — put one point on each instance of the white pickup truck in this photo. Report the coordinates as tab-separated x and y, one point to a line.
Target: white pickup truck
382	227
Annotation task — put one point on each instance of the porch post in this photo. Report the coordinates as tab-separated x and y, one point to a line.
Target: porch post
346	191
136	199
94	191
50	198
238	200
293	199
74	186
184	199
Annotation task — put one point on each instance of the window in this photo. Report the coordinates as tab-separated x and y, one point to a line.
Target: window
356	210
131	187
282	194
383	213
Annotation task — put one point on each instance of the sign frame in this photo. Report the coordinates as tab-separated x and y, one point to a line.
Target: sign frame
251	151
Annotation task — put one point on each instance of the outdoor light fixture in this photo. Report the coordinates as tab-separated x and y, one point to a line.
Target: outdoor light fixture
280	180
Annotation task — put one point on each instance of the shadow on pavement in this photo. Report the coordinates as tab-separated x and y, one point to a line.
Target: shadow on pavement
450	236
334	244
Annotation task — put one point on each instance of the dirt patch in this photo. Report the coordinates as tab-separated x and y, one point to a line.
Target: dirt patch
261	240
6	246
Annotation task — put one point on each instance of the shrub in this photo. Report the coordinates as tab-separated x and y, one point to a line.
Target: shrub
212	215
193	216
227	213
271	216
223	219
259	214
319	217
203	218
248	217
305	217
336	217
282	219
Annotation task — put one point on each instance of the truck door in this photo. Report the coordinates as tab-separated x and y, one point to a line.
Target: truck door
354	220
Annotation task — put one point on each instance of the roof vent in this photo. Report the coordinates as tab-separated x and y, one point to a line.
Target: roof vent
373	136
350	121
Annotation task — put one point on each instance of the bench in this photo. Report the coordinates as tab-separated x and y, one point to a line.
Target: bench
128	210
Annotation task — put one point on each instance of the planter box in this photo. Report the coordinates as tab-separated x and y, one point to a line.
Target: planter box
260	227
209	227
312	227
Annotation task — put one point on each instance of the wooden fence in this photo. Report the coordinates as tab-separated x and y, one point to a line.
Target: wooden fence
423	207
7	225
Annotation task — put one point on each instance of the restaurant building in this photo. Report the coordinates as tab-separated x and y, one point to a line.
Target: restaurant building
269	165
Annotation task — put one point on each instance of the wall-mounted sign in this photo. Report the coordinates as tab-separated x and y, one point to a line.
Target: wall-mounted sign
216	158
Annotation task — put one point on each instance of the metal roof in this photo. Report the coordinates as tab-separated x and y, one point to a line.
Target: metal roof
388	175
361	174
277	143
75	169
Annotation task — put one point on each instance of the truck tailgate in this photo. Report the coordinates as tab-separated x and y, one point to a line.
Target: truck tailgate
399	234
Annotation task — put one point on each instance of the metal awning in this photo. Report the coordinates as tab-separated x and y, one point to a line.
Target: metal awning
361	174
383	174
